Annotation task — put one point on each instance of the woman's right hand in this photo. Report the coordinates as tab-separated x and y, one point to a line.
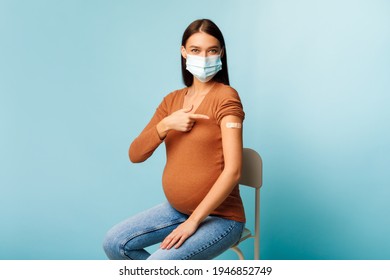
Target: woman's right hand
181	120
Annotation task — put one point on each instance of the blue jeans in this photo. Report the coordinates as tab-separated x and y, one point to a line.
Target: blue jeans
127	240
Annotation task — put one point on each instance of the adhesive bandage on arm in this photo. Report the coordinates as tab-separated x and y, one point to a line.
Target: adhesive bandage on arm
233	125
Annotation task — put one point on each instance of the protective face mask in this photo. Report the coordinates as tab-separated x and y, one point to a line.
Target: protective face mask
204	68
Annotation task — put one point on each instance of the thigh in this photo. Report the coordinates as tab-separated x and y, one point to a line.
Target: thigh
214	236
144	229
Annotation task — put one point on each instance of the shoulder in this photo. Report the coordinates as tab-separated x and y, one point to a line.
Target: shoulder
173	99
176	93
227	92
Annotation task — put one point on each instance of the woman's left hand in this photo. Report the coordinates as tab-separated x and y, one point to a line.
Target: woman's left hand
177	237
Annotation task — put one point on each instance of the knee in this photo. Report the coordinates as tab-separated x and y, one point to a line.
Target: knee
112	247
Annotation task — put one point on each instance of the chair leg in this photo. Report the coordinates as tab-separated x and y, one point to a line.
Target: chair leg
257	226
238	252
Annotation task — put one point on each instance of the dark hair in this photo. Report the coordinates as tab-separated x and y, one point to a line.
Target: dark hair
209	27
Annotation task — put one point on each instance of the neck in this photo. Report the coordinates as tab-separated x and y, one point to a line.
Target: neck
201	88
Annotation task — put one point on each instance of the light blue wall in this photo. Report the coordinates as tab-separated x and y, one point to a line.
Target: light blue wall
76	87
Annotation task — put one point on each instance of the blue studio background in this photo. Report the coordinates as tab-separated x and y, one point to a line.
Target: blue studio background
80	79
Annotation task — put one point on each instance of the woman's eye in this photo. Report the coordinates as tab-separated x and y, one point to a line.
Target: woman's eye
213	51
194	50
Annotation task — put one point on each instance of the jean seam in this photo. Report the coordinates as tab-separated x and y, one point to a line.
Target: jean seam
212	242
146	231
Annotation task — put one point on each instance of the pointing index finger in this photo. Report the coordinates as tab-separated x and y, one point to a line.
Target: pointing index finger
199	116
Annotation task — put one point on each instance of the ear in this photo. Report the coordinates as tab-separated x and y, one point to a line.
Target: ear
222	52
183	52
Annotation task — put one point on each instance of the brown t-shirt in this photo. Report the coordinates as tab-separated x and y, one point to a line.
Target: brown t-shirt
195	158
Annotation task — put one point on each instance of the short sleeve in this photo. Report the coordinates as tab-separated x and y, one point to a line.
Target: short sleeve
230	104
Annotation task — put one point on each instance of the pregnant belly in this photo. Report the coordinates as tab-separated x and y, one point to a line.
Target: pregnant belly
185	190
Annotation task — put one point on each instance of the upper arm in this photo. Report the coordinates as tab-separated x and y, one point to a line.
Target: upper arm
232	143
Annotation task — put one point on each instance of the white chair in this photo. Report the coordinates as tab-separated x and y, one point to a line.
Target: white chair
251	176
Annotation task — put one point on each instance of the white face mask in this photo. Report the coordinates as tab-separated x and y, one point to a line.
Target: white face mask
204	68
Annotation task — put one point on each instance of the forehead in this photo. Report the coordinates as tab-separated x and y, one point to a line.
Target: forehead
203	40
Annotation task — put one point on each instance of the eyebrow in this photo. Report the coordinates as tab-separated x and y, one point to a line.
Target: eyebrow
212	47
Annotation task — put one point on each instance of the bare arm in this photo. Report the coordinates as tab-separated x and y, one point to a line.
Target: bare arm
232	151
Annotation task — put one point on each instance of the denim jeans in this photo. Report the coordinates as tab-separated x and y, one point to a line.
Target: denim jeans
127	240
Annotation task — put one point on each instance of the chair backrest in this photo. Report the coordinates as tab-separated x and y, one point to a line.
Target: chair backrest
252	169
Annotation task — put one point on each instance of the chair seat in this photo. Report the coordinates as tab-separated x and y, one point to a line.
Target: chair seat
246	233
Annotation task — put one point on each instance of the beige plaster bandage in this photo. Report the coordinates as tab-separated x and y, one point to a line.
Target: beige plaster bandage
233	125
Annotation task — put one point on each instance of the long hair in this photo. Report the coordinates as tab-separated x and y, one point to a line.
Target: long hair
209	27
